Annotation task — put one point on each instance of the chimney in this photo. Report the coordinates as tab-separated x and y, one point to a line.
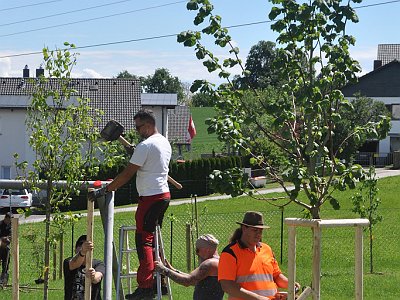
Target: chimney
39	72
25	72
377	64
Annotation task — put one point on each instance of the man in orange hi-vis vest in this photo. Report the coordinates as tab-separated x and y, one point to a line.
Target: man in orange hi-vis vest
247	267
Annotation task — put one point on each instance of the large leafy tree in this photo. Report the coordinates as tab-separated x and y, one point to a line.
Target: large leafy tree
125	74
260	67
163	82
64	138
364	110
314	62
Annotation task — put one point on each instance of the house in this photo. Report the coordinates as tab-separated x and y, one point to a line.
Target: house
382	84
120	99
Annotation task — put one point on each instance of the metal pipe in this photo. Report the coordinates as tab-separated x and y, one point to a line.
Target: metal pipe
23	184
109	245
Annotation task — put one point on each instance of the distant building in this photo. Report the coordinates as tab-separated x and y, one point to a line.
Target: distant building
382	84
120	99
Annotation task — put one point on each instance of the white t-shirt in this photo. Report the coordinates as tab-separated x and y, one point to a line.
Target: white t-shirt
153	156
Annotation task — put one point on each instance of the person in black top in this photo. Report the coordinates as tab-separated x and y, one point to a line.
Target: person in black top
75	271
205	276
5	238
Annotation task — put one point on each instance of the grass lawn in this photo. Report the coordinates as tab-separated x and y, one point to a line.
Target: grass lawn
219	217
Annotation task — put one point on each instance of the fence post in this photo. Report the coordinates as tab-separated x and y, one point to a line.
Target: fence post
55	261
188	248
170	243
282	209
15	252
61	257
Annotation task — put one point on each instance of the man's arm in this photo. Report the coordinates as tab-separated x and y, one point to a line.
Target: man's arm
234	290
123	177
80	257
281	281
201	272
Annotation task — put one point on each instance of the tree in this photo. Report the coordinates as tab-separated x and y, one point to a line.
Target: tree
63	136
202	100
163	82
127	75
259	64
311	37
366	204
364	110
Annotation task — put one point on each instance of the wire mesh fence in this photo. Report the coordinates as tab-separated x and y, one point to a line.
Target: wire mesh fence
181	230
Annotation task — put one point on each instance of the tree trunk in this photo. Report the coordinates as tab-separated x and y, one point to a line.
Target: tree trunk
371	261
315	212
46	241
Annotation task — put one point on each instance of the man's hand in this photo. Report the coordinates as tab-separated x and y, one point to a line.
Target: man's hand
97	193
159	267
86	246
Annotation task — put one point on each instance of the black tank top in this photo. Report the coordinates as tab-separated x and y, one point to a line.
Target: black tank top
208	289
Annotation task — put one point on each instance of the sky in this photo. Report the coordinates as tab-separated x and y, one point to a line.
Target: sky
149	26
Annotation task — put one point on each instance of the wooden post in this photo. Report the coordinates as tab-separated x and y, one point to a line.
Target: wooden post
188	248
359	263
61	257
89	254
55	261
15	255
316	280
291	261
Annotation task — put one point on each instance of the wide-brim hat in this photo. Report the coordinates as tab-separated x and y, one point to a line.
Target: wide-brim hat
253	219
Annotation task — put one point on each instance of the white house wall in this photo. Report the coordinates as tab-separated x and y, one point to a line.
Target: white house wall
13	139
385	145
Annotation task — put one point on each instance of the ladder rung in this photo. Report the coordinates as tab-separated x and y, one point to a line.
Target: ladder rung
128	228
130	275
128	250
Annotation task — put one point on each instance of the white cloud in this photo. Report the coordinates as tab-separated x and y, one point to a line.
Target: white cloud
90	73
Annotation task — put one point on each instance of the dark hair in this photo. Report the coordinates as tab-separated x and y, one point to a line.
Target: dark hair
146	115
80	241
237	234
8	215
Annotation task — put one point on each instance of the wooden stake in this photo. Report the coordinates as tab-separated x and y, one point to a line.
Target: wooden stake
89	254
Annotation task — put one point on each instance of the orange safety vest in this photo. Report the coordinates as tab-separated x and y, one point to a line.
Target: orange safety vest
253	271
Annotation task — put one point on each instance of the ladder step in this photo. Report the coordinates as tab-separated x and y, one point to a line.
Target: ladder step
128	228
130	275
128	250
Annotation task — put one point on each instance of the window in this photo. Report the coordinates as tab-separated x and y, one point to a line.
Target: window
5	172
396	111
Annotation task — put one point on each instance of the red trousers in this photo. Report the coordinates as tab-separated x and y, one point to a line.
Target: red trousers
150	212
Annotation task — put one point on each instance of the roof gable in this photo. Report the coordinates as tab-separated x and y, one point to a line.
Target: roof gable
119	99
381	82
178	123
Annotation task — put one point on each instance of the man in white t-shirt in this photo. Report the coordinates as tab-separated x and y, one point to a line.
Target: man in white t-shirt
150	161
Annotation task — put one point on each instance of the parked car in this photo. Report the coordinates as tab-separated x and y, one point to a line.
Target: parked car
16	198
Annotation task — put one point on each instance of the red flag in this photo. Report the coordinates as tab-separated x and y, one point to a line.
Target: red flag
191	129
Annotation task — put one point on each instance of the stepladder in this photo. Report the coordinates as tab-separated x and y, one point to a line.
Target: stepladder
125	262
159	254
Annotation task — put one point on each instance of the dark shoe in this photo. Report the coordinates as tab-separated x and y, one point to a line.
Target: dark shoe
141	294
